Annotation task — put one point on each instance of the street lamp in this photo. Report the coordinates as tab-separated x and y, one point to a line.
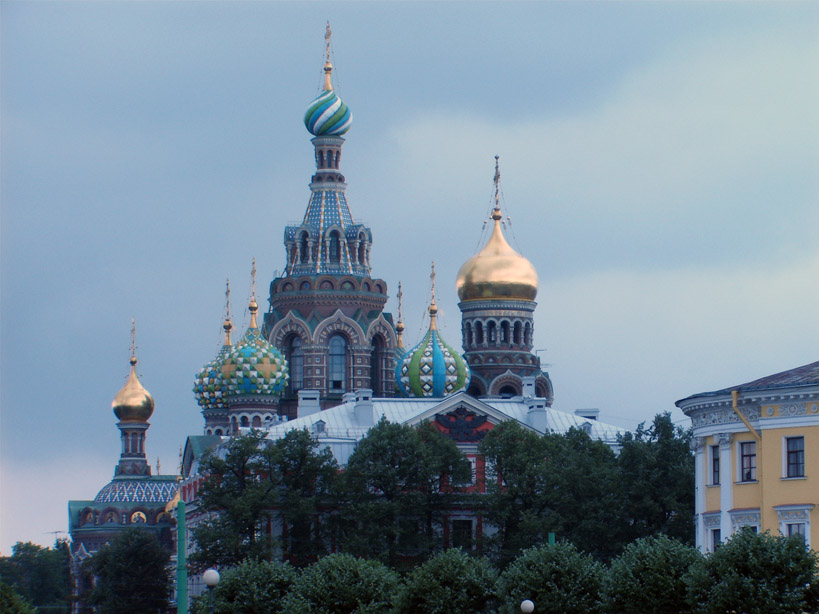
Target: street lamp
527	607
211	578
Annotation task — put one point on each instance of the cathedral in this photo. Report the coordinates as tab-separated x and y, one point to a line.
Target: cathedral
325	356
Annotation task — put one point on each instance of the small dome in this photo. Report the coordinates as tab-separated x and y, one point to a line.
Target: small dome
328	115
497	271
432	368
254	366
133	403
209	385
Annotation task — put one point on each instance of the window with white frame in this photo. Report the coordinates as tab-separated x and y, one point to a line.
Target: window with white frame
747	461
716	539
796	529
714	469
794	520
794	457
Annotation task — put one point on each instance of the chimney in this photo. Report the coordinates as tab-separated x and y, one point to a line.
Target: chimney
528	386
588	414
308	403
364	410
536	416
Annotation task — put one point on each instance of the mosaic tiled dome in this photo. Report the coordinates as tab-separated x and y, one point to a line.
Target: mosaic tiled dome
432	368
133	403
254	367
328	115
209	385
147	490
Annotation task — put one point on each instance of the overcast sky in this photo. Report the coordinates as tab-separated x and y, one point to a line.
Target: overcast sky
659	164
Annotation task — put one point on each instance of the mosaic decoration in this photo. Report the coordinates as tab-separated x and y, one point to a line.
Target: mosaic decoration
137	491
431	369
327	115
209	386
254	367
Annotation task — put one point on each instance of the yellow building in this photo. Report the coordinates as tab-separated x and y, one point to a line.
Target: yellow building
757	457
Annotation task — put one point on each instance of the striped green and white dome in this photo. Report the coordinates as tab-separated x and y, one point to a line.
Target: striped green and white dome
328	115
432	368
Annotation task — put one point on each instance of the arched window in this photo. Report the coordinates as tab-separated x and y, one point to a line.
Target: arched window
304	249
377	366
362	251
219	432
295	358
479	333
507	391
338	364
257	422
468	335
335	247
527	335
134	443
244	421
491	332
516	333
504	330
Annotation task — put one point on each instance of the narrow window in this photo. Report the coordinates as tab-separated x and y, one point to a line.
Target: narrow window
796	529
796	457
462	534
304	249
296	360
335	247
714	465
338	364
377	366
716	538
748	458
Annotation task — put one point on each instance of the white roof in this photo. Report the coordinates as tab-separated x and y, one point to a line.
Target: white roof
341	431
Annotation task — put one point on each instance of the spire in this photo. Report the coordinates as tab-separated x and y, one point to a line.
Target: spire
133	360
253	307
433	308
228	325
496	212
399	327
328	67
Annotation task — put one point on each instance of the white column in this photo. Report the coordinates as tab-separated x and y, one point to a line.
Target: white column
726	483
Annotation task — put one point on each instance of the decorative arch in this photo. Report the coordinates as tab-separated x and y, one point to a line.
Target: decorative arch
544	388
380	326
339	323
289	325
477	387
506	381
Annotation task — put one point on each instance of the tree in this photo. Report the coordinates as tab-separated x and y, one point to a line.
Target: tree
756	573
132	575
306	478
650	577
451	581
40	575
557	578
393	490
11	602
254	587
343	584
239	491
656	478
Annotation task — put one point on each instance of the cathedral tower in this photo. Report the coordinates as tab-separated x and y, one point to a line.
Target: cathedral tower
497	288
326	310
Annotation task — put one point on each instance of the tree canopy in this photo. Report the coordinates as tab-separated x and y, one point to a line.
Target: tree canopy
40	575
132	575
254	587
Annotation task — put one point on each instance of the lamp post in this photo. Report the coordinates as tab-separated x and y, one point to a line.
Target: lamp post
211	578
527	606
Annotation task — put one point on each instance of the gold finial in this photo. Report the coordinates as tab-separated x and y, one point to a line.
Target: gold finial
496	213
228	325
133	360
253	307
399	327
433	308
328	66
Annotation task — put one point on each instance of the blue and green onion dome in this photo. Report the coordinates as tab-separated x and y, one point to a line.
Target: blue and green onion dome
328	115
254	366
432	368
209	385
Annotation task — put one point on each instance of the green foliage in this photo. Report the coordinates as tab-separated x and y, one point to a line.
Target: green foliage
392	482
132	575
13	603
343	584
649	577
40	575
307	478
243	494
254	587
756	574
657	481
451	581
557	578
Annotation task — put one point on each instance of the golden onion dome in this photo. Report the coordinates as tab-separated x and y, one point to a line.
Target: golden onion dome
497	271
133	403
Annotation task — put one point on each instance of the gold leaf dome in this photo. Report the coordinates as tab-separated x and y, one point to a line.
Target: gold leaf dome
133	403
497	271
